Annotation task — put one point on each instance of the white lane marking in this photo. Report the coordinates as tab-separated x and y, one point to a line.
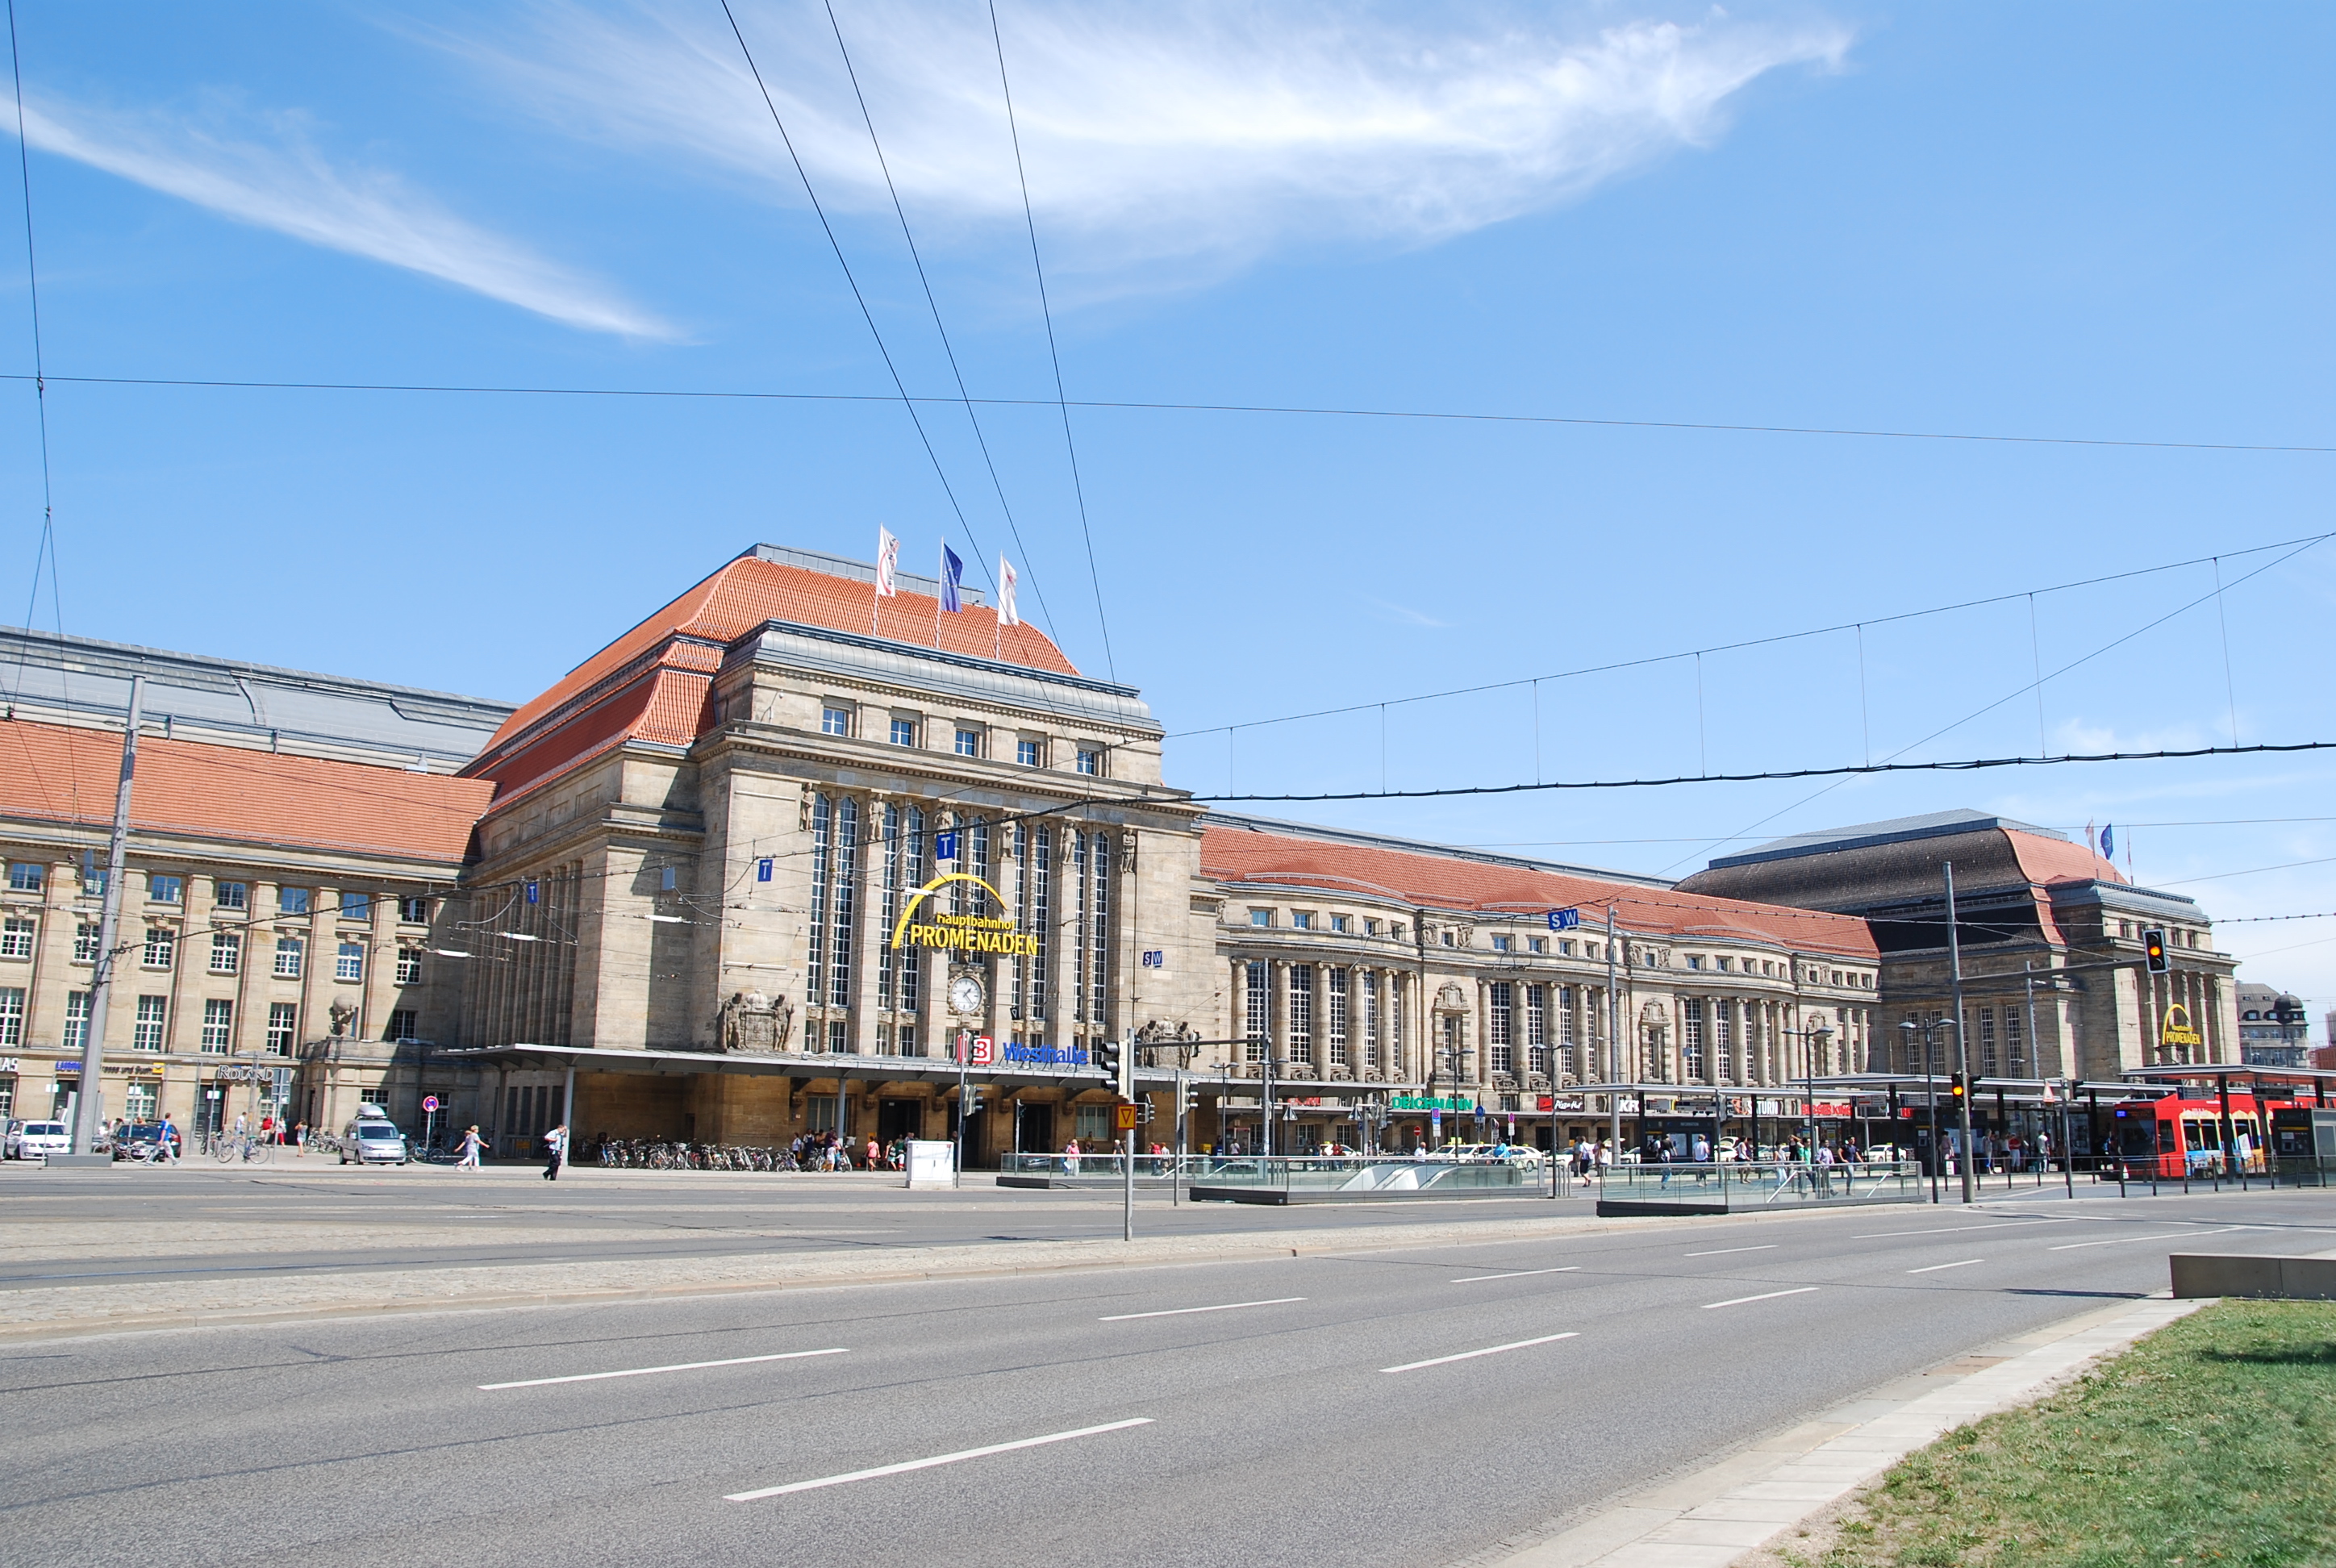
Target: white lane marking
2156	1236
676	1367
1519	1274
1997	1225
907	1465
1488	1350
1934	1267
1180	1311
1768	1296
1723	1251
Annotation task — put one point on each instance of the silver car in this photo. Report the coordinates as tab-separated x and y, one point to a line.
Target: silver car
38	1140
374	1143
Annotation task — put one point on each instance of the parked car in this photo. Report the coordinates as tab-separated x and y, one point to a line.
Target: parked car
38	1140
131	1142
370	1141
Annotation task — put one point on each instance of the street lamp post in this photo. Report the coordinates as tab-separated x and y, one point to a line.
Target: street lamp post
1812	1042
1930	1098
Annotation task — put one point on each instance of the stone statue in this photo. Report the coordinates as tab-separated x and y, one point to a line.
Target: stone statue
751	1021
344	1013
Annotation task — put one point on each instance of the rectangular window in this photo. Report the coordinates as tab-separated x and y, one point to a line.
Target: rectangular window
146	1035
283	1026
414	911
2015	1051
1255	1006
836	721
409	965
226	952
292	901
1691	1039
288	953
1370	1018
12	1016
1695	961
86	943
15	938
93	880
1987	1040
26	876
1502	1027
356	906
1091	761
1538	944
1338	923
348	962
163	888
1301	919
139	1098
1301	1012
76	1035
1565	946
230	895
904	732
1095	1124
1537	1028
1335	987
1029	753
1261	917
1370	927
161	948
219	1026
969	743
404	1024
1501	944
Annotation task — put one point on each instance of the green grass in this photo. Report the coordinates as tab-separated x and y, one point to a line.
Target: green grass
2212	1441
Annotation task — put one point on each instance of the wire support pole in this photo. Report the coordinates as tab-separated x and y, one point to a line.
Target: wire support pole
1962	1046
89	1112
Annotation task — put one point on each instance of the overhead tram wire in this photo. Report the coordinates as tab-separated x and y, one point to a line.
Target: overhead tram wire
861	299
2305	541
1054	354
964	396
1133	405
1972	765
45	550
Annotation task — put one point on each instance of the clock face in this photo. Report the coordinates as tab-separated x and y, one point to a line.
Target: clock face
965	994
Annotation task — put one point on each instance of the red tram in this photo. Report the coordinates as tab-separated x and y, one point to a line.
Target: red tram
2185	1135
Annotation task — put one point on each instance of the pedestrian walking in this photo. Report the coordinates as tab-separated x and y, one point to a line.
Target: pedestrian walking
555	1151
472	1144
1071	1158
166	1138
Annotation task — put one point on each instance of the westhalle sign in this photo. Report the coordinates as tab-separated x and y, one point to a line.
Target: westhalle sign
961	933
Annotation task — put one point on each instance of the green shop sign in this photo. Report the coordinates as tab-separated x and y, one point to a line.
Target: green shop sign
1460	1103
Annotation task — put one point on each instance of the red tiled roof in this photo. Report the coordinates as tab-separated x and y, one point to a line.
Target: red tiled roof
1234	855
55	773
2051	860
669	650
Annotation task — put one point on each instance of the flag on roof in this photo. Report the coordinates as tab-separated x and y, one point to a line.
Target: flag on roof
887	562
1006	579
2108	843
952	572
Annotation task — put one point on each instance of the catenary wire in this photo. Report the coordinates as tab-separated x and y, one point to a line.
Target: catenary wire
1166	407
955	372
1054	354
861	299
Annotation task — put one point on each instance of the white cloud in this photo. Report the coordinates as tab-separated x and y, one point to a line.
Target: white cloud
283	183
1207	132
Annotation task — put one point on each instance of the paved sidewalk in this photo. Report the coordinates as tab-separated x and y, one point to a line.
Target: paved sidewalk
1711	1518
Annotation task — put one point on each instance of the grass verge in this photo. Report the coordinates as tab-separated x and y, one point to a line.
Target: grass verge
2212	1441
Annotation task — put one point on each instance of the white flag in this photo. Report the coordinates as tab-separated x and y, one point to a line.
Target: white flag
888	560
1007	579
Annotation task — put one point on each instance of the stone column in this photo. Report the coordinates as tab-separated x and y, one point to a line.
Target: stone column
867	933
1277	993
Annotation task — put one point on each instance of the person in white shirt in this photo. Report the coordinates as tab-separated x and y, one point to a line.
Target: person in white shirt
555	1151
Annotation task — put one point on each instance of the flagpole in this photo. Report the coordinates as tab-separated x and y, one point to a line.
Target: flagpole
940	586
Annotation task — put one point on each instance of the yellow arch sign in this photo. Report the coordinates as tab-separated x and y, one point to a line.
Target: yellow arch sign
961	933
2175	1030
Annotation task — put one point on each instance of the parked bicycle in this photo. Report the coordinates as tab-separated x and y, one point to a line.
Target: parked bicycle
244	1148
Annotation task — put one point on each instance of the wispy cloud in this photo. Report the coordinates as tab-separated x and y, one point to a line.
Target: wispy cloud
1212	130
284	183
1407	616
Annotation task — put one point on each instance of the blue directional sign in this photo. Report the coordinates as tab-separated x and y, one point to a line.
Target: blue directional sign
1564	919
763	870
945	844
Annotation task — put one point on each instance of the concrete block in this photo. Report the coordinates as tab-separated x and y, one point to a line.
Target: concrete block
80	1162
2270	1278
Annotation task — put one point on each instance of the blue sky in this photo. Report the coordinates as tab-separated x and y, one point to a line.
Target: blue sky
2107	222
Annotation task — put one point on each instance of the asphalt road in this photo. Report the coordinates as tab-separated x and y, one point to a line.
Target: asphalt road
1407	1407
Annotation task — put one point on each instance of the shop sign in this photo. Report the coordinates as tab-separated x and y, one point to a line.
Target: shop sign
10	1065
1459	1104
961	933
1576	1103
1833	1110
2175	1029
1019	1055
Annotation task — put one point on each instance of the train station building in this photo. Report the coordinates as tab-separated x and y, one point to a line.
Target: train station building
790	856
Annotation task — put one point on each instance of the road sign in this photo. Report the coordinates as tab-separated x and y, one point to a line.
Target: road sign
429	1102
945	844
1129	1117
1564	919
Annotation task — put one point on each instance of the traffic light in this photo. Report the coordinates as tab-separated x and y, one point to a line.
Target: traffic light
1112	1057
1955	1084
2153	950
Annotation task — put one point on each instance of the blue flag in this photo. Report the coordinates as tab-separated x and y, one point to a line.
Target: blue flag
2108	843
952	570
